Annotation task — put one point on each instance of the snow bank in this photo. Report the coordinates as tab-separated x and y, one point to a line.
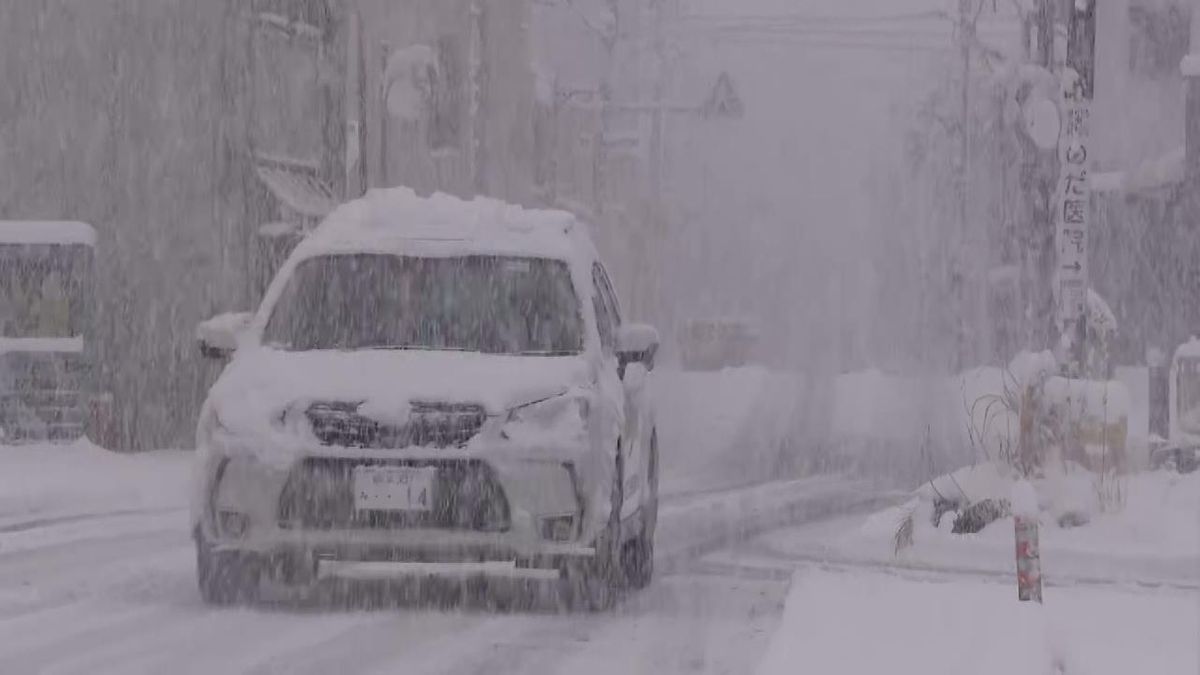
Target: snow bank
1153	538
726	428
46	232
1024	500
48	481
42	345
971	483
874	623
905	429
914	428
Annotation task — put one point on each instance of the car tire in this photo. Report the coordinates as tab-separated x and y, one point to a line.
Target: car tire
638	555
225	578
593	584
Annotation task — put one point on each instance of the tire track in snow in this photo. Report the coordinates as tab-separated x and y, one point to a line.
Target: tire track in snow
28	639
682	624
363	646
118	566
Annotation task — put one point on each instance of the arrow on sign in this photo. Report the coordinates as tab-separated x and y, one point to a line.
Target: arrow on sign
1077	267
724	100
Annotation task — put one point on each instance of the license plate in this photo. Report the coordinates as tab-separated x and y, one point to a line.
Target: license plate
393	488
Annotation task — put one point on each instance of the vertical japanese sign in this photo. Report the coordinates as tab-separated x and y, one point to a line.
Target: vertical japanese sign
1073	204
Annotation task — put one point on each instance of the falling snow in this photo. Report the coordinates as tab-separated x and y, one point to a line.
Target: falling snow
594	336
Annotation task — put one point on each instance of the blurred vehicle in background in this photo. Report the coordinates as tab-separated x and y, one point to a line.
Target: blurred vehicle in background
1181	452
713	344
47	345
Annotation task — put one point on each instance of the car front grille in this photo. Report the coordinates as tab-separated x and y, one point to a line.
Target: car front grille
319	495
438	425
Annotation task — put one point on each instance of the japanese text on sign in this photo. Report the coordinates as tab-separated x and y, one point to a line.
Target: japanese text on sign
1073	198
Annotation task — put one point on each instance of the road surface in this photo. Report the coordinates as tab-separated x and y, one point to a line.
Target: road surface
116	594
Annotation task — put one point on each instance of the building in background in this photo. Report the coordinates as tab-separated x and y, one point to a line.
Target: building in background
119	114
203	139
1146	239
797	213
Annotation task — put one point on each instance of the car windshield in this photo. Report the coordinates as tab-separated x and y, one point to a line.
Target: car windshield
1189	395
489	304
42	290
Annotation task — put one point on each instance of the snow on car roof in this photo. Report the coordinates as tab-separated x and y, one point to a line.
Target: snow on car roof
1189	349
46	232
398	220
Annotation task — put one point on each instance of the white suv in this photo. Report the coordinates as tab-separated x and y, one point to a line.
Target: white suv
431	387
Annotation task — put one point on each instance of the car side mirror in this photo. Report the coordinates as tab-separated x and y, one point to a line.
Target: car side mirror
637	343
218	336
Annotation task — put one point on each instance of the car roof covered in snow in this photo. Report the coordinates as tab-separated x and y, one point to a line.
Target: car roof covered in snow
1189	349
397	220
46	232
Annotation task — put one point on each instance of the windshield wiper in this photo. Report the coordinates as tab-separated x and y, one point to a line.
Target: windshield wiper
551	352
415	348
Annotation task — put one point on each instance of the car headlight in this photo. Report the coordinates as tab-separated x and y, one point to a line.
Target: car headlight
567	413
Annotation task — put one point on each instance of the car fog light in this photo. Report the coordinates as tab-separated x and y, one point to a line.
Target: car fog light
233	524
558	528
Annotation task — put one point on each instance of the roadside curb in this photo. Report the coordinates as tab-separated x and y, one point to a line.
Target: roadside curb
26	524
701	526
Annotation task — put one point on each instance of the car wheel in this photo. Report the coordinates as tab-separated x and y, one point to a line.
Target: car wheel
592	584
225	578
638	556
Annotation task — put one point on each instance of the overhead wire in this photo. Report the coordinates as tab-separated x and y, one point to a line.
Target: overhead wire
865	32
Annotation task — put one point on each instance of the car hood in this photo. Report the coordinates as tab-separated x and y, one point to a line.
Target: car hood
262	384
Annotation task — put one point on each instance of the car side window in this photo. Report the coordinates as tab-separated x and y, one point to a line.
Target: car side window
610	296
606	318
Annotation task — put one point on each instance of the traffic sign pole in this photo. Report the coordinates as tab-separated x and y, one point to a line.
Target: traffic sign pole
1073	202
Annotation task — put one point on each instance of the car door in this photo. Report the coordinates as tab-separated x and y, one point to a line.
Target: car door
634	433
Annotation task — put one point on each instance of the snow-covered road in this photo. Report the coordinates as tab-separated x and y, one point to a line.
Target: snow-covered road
142	615
97	570
116	594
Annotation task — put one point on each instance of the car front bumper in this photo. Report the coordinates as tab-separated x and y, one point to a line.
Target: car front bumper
245	509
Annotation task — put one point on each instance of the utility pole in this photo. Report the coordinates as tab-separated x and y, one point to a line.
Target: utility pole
1040	180
966	30
1074	188
1045	34
355	109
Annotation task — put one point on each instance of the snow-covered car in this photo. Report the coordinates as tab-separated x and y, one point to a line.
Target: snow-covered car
430	387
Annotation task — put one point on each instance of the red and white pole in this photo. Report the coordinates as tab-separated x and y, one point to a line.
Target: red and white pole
1029	562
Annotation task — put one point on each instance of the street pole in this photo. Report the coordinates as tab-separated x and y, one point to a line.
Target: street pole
1074	188
1039	178
355	183
958	282
1045	34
